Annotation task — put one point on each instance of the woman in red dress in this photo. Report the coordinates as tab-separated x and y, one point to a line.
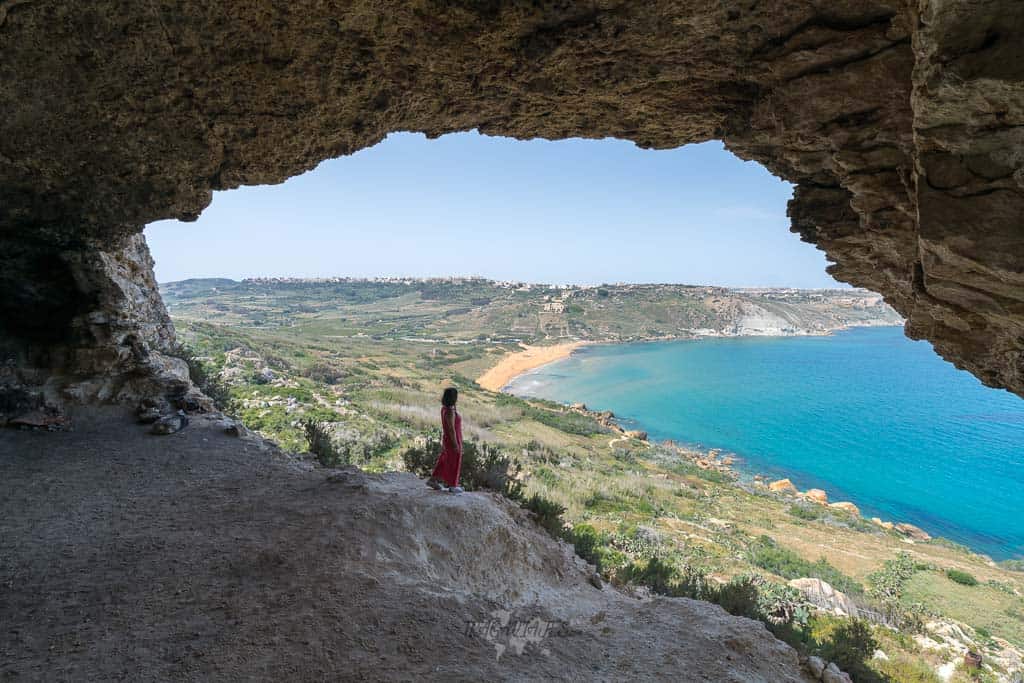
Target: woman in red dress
446	473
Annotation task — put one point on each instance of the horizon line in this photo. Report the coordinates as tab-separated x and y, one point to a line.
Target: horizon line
426	278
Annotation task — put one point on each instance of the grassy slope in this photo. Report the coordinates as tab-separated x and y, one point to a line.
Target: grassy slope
339	355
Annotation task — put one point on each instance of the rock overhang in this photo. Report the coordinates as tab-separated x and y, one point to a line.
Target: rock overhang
901	125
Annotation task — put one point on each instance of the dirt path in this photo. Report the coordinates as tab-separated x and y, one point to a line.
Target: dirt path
126	556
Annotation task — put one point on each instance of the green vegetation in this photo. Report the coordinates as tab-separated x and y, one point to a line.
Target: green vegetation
887	582
980	606
565	421
767	554
848	643
352	372
205	377
476	309
547	513
963	578
484	466
805	511
320	444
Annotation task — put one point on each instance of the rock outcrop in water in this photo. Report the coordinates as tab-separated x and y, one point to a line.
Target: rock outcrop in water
901	124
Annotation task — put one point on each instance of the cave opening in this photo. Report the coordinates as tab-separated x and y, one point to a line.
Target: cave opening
900	125
363	284
568	211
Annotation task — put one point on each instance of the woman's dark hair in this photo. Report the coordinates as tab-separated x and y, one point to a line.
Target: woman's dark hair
449	397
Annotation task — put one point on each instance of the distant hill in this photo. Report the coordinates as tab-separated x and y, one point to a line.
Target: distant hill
476	309
202	286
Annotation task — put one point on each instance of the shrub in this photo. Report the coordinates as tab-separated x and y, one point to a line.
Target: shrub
655	573
748	596
780	604
638	542
692	582
546	476
324	372
850	646
912	618
600	502
483	466
206	379
320	444
565	421
806	512
624	456
887	583
587	542
421	457
906	670
547	513
766	554
355	446
961	577
593	546
486	466
714	476
739	597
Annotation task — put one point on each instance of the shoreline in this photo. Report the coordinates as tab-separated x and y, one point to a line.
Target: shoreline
516	364
528	358
728	463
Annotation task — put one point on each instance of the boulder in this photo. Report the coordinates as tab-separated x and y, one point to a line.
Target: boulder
846	506
888	526
816	665
911	531
39	419
926	643
170	424
816	495
637	434
822	595
230	427
149	415
784	486
832	674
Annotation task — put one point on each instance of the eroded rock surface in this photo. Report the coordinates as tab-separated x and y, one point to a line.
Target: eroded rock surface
200	556
901	123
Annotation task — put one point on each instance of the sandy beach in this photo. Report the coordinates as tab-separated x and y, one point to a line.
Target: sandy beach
518	362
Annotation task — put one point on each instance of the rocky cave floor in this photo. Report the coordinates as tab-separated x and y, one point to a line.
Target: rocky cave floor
125	555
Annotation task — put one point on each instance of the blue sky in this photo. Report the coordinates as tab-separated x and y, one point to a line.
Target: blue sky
572	211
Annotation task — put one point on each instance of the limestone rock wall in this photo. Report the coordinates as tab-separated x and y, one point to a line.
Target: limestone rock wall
899	121
87	325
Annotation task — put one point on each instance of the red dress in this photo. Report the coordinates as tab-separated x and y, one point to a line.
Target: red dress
449	463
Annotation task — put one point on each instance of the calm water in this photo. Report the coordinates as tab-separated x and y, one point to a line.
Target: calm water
867	415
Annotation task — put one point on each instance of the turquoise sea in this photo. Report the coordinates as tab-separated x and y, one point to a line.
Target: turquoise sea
866	414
